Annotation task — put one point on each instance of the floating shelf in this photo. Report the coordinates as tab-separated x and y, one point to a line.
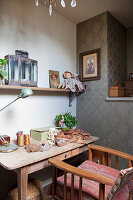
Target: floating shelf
39	89
10	87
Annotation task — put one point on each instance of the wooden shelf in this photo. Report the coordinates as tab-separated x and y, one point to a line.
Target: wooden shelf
10	87
39	89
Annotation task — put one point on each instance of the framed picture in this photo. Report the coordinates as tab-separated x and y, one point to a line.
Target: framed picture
89	65
131	77
54	79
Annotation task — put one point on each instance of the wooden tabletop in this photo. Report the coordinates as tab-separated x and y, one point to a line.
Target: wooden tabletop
20	158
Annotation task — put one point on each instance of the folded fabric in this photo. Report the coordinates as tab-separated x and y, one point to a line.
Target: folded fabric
37	148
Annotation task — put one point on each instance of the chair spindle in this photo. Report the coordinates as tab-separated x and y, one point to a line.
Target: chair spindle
90	155
53	181
80	189
103	158
129	163
109	160
116	162
101	191
72	186
65	185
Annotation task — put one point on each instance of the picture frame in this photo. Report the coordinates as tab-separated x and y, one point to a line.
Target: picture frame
90	65
54	79
131	77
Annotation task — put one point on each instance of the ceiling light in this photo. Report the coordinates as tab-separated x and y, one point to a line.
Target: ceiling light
37	2
63	3
50	4
73	3
50	9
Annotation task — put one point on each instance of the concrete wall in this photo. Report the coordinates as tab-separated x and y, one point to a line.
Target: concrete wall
111	121
129	52
51	41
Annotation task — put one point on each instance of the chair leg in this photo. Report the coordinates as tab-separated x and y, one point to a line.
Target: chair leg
101	191
130	196
53	182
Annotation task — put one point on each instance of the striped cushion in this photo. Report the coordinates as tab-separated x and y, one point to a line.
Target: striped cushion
90	189
123	185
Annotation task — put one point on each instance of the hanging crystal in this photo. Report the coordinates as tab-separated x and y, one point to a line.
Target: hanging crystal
45	2
63	3
73	3
50	9
37	2
55	3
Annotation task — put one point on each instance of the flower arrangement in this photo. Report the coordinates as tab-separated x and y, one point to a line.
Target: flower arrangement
66	120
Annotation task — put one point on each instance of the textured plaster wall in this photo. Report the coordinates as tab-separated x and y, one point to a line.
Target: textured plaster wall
129	52
92	34
51	41
111	121
117	51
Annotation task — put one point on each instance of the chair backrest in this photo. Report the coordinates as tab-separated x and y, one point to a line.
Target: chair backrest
123	186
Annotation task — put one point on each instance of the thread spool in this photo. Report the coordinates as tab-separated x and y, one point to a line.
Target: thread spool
20	140
27	139
19	133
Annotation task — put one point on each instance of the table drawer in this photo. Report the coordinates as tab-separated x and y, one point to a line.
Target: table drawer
75	152
64	155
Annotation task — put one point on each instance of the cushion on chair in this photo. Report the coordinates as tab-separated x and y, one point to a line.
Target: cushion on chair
123	185
90	188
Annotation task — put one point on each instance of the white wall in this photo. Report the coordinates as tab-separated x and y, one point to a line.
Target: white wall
51	41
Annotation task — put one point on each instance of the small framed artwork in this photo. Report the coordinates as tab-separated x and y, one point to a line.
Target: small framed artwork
131	77
89	65
54	79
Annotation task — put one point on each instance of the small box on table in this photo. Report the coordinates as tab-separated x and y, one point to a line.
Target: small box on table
40	134
6	137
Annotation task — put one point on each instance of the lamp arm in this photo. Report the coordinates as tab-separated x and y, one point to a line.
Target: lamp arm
10	103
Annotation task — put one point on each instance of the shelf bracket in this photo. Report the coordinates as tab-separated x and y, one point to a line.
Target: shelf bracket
71	96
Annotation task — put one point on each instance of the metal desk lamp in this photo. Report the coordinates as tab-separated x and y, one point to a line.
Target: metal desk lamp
6	147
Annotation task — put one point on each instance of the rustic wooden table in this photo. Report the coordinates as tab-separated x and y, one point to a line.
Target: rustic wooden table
24	163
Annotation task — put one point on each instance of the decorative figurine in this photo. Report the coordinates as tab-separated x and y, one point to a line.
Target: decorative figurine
61	122
72	82
51	136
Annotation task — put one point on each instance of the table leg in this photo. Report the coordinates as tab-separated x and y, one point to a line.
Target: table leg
22	178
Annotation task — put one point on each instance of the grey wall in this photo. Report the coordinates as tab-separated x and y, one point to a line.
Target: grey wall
129	51
92	34
116	51
112	121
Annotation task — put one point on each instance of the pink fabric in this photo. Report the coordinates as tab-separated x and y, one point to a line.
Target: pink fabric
123	185
90	189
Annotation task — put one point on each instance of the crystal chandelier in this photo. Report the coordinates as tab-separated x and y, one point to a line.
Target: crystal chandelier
50	3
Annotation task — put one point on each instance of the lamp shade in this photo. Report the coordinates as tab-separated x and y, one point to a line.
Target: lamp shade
25	92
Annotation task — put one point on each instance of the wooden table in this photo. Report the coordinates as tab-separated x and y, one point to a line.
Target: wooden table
24	163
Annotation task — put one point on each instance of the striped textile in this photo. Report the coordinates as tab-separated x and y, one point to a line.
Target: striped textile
90	189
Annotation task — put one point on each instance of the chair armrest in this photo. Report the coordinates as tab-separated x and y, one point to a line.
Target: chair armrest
111	151
80	172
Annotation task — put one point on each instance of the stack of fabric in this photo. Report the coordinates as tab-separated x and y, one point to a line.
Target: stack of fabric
75	135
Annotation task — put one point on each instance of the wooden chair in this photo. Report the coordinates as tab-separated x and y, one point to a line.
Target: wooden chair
92	181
